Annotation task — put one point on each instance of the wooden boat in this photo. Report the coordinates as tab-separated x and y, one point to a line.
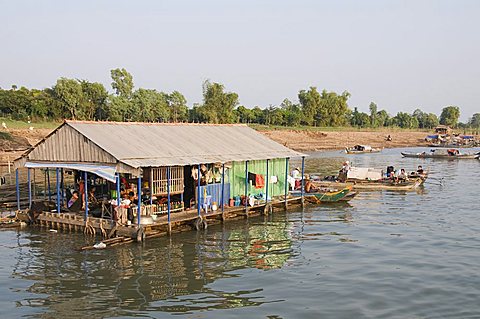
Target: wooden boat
383	184
327	195
361	149
443	154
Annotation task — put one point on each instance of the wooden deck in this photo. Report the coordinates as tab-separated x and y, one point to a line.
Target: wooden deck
180	221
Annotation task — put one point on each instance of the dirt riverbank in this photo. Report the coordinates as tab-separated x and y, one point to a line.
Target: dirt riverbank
307	141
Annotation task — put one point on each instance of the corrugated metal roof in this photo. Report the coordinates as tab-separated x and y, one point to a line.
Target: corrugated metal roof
165	144
131	146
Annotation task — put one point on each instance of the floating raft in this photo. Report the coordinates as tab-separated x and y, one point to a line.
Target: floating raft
182	221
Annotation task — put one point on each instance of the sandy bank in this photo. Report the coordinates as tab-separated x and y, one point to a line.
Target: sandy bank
303	140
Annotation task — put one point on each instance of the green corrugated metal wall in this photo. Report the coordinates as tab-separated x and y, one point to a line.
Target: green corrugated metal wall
237	177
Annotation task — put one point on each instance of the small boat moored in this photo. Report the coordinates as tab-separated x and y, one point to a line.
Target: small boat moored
361	149
443	154
364	178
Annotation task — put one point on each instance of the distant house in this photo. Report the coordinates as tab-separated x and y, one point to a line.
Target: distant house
443	130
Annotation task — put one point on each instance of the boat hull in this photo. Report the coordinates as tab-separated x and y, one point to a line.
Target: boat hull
374	185
327	196
362	152
421	155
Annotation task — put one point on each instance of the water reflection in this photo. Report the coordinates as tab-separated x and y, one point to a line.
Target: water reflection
166	274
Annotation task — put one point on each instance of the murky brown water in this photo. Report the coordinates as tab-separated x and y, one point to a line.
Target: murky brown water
384	255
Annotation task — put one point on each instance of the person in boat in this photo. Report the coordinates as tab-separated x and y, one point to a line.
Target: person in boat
402	176
392	175
420	170
390	171
309	187
343	174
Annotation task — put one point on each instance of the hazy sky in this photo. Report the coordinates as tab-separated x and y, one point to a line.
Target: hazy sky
400	54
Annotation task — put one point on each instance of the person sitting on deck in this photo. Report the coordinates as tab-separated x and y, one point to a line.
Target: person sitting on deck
309	187
75	203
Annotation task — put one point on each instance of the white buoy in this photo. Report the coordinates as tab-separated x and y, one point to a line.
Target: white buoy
100	245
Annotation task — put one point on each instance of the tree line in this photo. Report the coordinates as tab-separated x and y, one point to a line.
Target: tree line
85	100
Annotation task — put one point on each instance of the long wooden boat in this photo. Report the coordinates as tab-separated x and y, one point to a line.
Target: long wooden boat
469	145
410	184
327	195
441	155
362	149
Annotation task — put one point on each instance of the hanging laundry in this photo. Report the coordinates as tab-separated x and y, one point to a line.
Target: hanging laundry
259	181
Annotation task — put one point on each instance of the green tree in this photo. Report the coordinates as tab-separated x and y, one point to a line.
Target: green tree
383	118
94	104
373	114
122	82
245	115
405	120
218	106
359	119
474	121
178	107
450	116
16	103
147	106
309	103
292	113
69	93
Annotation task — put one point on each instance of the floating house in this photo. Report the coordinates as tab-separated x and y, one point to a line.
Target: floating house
154	174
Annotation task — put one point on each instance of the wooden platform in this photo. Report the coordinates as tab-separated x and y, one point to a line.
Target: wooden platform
180	221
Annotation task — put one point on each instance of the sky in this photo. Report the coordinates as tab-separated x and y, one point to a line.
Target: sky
402	55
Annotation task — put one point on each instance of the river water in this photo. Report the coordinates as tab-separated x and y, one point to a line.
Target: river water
384	255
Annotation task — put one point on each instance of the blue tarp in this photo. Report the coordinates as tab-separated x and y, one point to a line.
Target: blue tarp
103	171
